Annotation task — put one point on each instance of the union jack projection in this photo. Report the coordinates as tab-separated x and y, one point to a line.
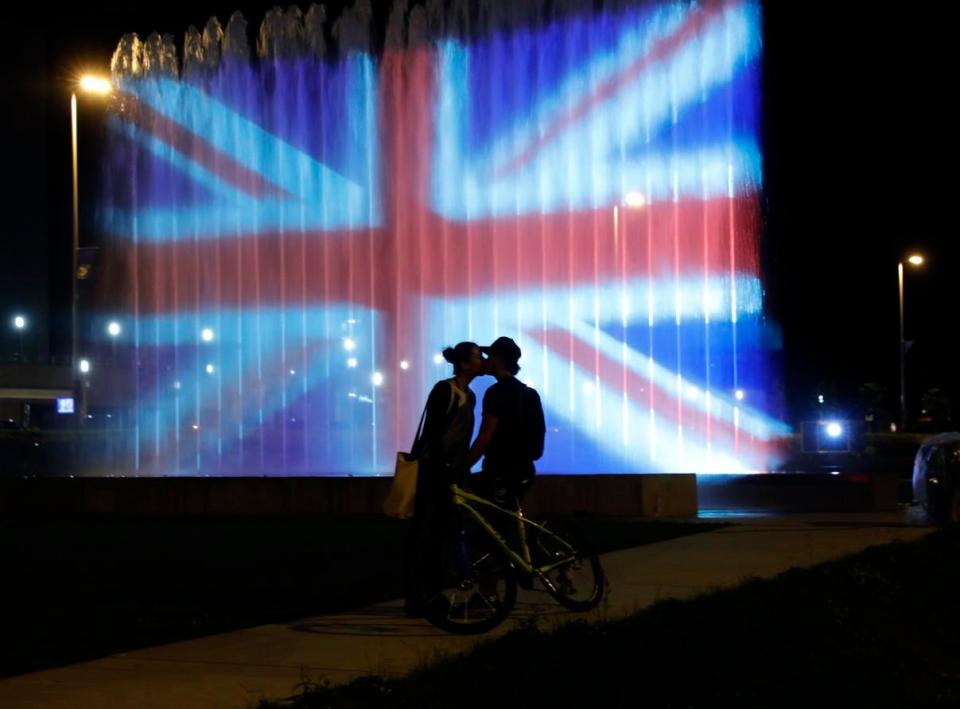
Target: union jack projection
300	238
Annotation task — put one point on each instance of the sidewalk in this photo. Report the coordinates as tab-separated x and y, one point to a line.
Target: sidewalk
237	669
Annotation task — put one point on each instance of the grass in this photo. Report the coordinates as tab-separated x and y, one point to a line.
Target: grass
85	588
879	628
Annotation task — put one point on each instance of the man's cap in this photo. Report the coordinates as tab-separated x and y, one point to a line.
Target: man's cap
503	347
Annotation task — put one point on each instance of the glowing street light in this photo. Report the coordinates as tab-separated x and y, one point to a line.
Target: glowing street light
834	429
19	323
114	330
740	394
913	260
84	366
206	334
635	199
377	379
404	365
211	369
352	362
349	345
92	84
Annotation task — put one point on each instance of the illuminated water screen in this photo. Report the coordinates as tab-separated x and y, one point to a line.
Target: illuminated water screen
295	232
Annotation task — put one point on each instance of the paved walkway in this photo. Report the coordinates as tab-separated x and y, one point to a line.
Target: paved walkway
239	668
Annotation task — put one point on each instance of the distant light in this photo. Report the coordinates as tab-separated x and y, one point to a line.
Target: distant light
195	427
176	385
587	388
404	365
820	398
89	416
893	428
834	472
19	322
740	394
637	200
352	395
438	359
85	366
113	329
834	430
349	345
352	363
377	379
292	372
64	406
351	321
95	84
206	334
916	260
211	369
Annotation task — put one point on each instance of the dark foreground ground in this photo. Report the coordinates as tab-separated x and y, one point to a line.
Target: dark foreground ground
79	589
877	629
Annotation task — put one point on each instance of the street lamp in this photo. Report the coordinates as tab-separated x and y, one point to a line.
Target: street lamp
100	86
913	260
19	323
114	330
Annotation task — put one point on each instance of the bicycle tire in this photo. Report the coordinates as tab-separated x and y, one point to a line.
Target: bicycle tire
577	585
477	586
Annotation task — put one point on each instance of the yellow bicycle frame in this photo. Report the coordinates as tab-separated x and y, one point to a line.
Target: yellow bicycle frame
522	559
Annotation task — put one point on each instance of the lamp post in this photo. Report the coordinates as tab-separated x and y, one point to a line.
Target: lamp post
19	323
913	260
114	330
89	85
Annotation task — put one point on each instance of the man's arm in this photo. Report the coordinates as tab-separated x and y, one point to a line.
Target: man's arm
488	424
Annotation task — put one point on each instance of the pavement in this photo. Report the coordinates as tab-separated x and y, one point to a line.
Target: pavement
239	668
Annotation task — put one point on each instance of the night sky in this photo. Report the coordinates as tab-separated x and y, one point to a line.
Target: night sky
857	168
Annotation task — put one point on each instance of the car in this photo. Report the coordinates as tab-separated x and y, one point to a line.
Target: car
936	479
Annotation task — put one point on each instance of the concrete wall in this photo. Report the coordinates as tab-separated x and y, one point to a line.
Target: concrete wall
634	495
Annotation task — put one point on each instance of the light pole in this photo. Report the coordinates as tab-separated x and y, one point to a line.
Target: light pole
913	260
114	330
90	85
19	323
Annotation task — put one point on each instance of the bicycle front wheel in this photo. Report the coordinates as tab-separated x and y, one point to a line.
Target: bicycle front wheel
474	587
567	565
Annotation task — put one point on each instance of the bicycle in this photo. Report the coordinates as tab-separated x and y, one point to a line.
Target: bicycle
475	584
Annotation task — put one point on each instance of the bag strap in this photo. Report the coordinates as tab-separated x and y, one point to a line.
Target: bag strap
416	438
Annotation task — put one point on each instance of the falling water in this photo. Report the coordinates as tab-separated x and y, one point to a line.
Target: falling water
299	226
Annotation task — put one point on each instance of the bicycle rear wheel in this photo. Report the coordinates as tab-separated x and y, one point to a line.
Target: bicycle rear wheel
569	568
475	587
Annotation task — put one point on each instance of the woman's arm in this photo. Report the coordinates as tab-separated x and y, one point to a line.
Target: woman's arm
488	425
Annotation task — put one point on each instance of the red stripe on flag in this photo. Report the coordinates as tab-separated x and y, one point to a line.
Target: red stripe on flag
198	150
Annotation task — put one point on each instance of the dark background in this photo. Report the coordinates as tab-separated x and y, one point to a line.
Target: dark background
857	169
